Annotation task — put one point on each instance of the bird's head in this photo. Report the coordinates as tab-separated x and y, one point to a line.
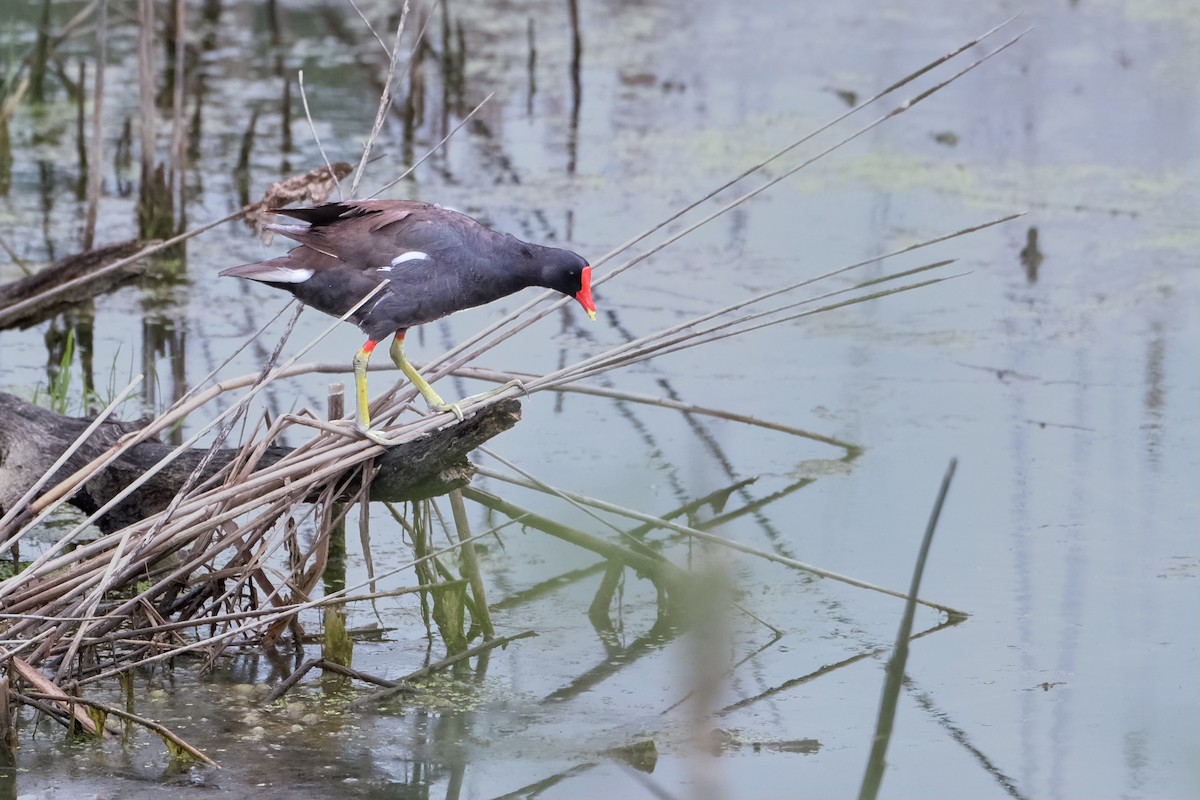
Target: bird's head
572	275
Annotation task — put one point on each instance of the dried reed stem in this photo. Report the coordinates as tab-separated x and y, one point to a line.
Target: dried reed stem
114	711
96	144
385	102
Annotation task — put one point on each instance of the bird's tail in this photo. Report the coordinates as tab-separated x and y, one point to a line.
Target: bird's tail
275	270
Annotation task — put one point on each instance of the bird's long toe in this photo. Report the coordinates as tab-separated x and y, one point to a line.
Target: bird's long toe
373	436
451	407
490	393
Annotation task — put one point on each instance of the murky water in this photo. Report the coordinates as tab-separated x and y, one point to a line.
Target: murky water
1067	385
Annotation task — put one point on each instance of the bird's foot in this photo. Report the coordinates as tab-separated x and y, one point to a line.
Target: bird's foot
456	408
373	436
490	393
439	407
513	384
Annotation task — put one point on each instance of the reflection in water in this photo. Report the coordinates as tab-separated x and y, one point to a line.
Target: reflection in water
530	68
241	171
74	332
1156	354
6	161
47	191
709	441
163	340
453	64
1031	256
963	738
123	161
616	659
576	87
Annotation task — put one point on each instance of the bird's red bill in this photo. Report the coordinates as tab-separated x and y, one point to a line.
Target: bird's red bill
584	295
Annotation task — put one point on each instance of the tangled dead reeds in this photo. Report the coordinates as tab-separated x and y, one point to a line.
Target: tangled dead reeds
223	563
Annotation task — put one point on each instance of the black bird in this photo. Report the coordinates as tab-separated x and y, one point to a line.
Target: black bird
434	262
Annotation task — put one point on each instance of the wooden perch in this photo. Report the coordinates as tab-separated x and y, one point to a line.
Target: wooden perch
32	438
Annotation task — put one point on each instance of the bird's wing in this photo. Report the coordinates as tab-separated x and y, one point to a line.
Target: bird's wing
365	234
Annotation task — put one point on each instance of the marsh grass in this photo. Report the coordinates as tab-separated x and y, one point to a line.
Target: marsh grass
894	680
224	565
59	389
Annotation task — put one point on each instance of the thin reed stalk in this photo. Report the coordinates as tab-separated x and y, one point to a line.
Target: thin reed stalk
96	142
385	101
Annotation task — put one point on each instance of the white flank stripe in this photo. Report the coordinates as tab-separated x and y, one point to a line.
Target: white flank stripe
411	255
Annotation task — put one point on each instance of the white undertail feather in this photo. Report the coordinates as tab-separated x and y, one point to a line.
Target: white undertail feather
283	275
286	230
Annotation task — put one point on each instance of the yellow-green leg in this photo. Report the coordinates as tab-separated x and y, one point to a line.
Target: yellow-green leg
363	404
436	403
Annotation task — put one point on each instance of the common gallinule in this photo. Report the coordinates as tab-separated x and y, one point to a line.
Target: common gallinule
433	260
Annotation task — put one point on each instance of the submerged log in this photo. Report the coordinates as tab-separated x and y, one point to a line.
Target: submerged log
64	283
32	438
